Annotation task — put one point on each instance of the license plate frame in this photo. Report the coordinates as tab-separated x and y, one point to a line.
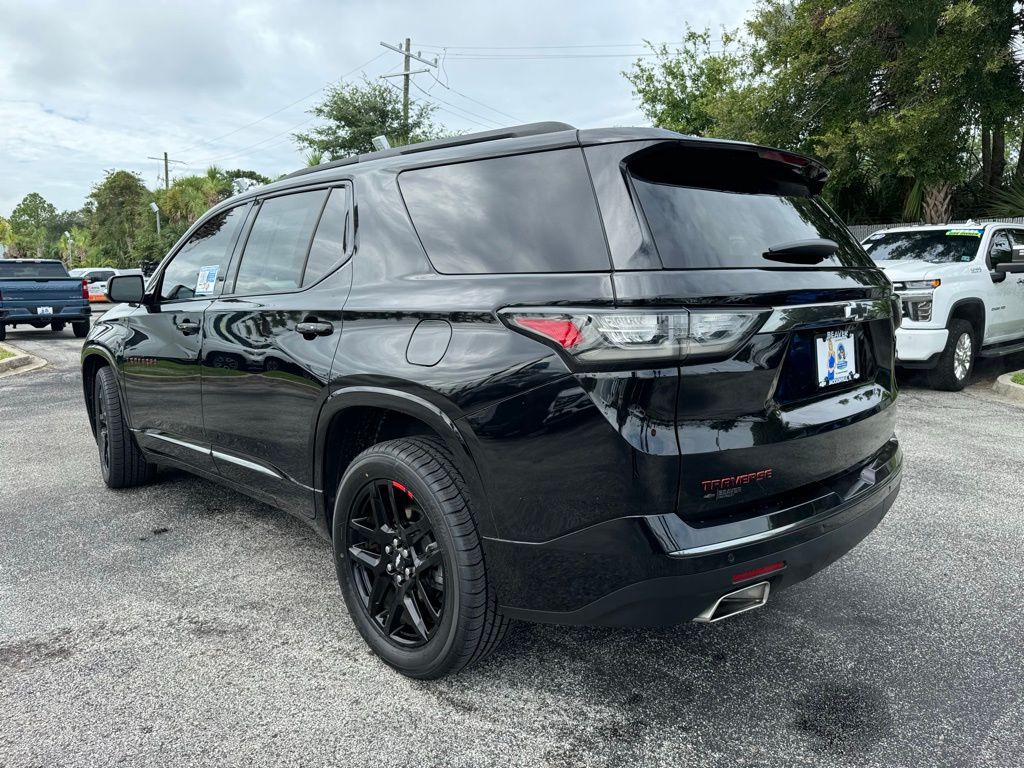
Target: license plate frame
835	357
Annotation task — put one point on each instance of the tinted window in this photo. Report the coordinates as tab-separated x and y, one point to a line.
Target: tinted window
528	213
329	244
197	270
17	268
275	251
940	246
714	208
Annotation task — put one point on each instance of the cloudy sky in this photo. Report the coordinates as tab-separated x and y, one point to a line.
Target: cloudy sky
89	86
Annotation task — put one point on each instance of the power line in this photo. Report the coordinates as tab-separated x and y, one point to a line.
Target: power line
455	106
450	111
282	109
477	101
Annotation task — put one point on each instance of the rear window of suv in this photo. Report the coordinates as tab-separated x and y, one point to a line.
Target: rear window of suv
713	208
525	213
17	268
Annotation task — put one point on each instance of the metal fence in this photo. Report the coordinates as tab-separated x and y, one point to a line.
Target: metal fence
860	231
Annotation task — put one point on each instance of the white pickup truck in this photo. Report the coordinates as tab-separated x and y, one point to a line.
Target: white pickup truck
962	292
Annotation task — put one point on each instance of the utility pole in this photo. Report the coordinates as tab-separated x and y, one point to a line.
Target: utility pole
167	173
405	92
407	54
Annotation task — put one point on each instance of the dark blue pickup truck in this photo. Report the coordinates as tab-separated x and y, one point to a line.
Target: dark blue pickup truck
40	293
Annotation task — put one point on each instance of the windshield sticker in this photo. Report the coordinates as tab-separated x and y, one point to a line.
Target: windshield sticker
964	232
207	279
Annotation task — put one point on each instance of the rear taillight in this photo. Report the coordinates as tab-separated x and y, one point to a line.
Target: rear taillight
592	338
85	289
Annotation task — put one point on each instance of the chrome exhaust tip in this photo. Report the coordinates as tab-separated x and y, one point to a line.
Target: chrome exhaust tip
733	603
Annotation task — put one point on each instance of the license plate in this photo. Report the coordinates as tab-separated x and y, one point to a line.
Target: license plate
44	310
837	358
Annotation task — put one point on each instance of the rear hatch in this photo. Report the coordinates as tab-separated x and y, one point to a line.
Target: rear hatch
767	418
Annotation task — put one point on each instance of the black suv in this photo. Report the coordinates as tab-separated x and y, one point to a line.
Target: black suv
615	376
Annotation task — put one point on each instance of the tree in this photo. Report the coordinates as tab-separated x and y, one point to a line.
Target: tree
355	114
896	97
28	222
118	215
696	90
6	234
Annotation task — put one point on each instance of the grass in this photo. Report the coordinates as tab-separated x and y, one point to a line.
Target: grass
1018	378
5	353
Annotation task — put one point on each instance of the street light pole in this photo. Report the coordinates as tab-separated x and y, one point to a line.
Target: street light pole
156	209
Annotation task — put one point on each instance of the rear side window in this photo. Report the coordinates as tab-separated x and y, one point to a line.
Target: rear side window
526	213
17	268
713	208
275	251
330	244
197	270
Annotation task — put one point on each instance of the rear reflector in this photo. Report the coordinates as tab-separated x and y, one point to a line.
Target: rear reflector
764	569
562	332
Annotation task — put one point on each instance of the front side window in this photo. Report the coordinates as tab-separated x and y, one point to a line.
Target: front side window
1001	251
275	251
197	270
526	213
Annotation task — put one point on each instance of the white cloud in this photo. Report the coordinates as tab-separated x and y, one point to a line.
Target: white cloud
89	86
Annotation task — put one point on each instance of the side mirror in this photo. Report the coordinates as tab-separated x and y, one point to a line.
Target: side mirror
128	289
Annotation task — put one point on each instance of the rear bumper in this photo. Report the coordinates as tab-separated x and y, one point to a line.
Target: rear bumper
633	571
919	345
73	314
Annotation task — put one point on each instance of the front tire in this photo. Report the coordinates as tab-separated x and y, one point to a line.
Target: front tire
81	329
122	463
422	604
956	363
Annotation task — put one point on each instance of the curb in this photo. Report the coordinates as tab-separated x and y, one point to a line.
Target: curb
1005	387
22	362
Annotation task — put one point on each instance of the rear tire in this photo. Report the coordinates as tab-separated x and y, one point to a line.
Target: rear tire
3	331
956	363
81	329
410	490
122	463
57	326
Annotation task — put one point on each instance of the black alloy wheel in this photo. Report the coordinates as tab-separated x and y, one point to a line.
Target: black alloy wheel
397	566
122	463
410	560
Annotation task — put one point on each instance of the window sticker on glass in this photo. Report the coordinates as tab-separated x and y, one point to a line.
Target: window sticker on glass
207	279
964	232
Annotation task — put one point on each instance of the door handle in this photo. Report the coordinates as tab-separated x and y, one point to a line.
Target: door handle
310	329
187	327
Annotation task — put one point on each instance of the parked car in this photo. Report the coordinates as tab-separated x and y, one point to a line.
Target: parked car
962	291
615	376
40	293
97	278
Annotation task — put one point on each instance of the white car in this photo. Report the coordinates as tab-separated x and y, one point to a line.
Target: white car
962	293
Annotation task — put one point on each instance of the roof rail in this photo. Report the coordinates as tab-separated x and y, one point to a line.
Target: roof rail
513	132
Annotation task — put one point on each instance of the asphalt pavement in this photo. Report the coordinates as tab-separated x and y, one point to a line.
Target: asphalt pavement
183	624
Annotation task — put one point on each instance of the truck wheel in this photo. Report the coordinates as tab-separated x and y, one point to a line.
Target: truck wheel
409	560
3	331
956	363
81	329
121	461
57	326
